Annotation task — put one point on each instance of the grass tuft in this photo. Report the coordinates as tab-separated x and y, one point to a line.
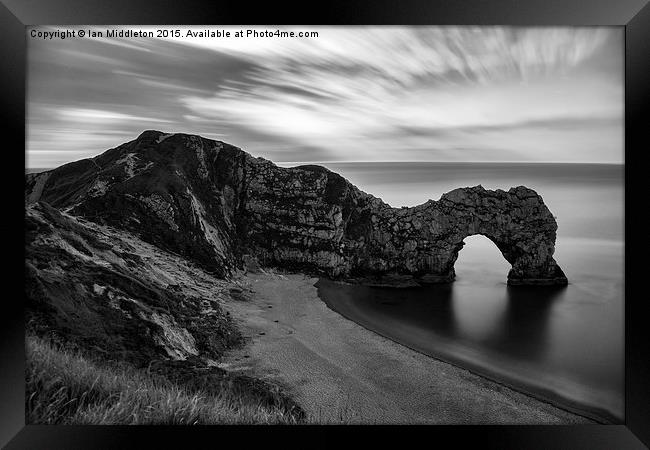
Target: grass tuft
64	386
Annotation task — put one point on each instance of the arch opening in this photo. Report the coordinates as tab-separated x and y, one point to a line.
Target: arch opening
480	258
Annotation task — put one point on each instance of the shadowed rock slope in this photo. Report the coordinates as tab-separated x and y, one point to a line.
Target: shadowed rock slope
103	292
105	289
214	204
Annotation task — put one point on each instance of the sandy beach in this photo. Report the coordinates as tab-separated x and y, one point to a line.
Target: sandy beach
339	371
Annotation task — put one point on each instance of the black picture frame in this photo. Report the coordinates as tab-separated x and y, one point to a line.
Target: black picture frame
633	15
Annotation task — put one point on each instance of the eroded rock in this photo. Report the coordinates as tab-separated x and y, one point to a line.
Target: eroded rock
214	203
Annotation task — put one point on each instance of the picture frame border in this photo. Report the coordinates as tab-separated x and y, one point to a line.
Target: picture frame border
632	15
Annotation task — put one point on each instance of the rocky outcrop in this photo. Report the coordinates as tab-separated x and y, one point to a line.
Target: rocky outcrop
214	203
104	289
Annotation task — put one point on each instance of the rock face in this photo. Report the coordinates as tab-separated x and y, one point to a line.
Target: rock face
106	290
217	205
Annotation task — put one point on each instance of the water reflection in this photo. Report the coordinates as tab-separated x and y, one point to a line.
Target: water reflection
519	328
522	330
518	334
431	308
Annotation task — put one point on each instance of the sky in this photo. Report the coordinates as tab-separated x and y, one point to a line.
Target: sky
350	94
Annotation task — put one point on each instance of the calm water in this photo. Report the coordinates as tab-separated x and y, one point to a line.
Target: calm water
563	344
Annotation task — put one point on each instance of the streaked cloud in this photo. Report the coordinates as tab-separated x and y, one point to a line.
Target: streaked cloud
103	117
352	93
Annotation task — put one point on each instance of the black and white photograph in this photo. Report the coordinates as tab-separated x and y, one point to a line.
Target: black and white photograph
324	225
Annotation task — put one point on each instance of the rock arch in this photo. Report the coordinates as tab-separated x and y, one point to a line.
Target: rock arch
431	235
517	222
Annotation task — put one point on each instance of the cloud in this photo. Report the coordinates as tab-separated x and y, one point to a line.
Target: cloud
364	115
98	116
555	123
352	93
405	53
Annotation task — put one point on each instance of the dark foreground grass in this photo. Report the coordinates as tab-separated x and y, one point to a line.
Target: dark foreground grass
64	386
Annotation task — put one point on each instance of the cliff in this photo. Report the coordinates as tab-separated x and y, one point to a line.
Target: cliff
216	205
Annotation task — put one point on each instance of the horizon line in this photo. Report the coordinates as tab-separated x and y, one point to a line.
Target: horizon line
451	162
391	161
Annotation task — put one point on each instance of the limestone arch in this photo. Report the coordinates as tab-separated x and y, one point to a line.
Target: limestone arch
517	221
520	226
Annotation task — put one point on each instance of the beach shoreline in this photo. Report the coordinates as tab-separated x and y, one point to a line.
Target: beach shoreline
341	372
600	416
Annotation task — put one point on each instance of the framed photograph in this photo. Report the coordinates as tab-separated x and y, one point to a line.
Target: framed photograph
389	219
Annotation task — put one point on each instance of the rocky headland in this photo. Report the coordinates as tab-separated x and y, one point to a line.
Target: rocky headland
219	206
